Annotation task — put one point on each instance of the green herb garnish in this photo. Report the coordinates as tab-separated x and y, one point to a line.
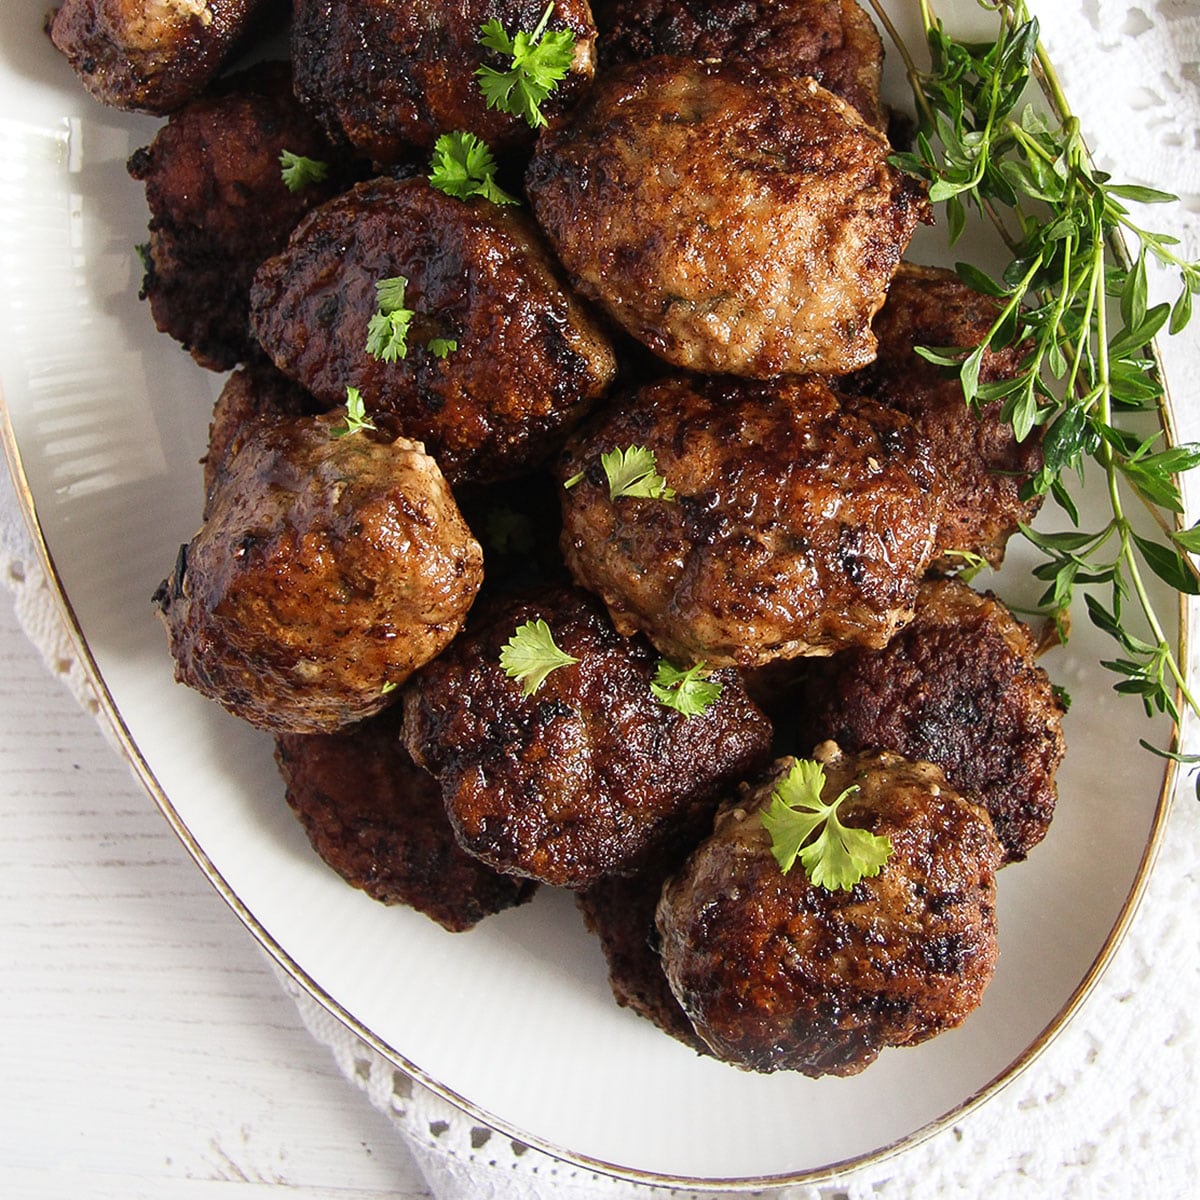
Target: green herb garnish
972	563
633	472
530	655
537	62
356	418
802	825
298	172
463	166
440	347
1079	310
387	330
687	691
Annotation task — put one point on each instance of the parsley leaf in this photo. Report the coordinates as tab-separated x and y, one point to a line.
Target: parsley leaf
298	172
803	826
530	655
463	166
689	692
633	472
440	347
356	415
387	330
538	61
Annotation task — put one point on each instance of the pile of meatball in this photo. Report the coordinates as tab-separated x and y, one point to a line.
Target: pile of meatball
706	263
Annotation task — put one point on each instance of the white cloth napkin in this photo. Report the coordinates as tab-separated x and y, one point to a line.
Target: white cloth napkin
1111	1107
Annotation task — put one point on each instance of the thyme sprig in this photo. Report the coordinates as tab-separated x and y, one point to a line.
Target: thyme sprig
1077	307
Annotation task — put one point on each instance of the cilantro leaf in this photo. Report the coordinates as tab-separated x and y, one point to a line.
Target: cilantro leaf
689	692
356	415
538	61
387	330
298	172
530	655
463	166
634	472
802	825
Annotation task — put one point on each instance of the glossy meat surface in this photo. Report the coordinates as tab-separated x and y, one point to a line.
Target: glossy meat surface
327	571
252	396
960	687
151	55
776	973
735	226
529	360
219	207
982	464
391	77
802	522
377	819
590	774
832	41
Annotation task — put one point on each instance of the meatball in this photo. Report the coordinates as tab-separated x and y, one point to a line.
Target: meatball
219	207
777	973
252	396
620	910
528	361
329	568
734	225
589	774
377	819
983	466
800	523
152	57
389	77
833	41
958	687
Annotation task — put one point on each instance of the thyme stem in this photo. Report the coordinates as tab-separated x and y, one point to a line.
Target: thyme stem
1077	376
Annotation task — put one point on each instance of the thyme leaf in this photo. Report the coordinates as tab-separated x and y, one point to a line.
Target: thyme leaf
1079	309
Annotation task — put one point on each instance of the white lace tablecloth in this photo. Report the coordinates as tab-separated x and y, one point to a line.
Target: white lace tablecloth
1112	1107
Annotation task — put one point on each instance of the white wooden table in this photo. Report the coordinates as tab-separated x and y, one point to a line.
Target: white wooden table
146	1049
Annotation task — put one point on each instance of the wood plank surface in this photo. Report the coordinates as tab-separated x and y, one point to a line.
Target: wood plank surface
146	1049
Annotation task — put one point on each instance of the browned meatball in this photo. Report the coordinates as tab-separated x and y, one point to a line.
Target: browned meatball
377	819
777	973
620	910
589	774
328	570
252	396
833	41
734	225
152	55
958	687
529	357
219	207
389	77
800	524
982	464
